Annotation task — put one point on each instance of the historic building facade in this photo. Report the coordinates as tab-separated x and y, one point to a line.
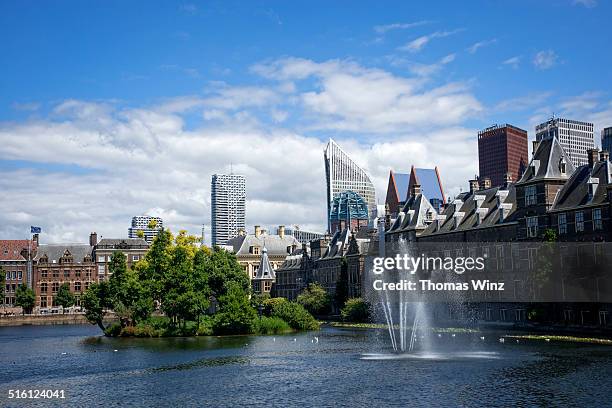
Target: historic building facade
16	260
134	250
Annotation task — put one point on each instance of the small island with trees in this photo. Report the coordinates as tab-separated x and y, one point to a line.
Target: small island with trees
183	289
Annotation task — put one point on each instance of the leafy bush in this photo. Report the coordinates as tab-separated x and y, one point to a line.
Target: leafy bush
113	330
205	327
270	303
295	315
271	325
236	315
356	310
315	299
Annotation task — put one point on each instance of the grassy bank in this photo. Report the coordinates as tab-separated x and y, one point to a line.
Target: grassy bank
568	339
384	326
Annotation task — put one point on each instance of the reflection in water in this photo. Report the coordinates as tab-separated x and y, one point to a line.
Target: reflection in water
205	362
439	356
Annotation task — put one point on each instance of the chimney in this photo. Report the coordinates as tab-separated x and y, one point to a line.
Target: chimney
473	185
593	156
93	239
281	231
604	156
536	144
35	238
257	231
241	233
507	179
485	183
415	189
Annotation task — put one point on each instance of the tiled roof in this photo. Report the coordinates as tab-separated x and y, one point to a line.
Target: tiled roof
55	251
546	163
587	186
10	249
275	245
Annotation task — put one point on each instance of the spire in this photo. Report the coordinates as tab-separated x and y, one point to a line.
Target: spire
265	270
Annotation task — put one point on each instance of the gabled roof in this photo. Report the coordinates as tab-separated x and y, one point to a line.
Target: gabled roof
415	215
576	191
11	249
294	260
401	181
275	245
55	251
429	180
265	270
546	163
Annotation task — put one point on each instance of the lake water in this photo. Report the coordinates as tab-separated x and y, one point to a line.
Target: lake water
345	367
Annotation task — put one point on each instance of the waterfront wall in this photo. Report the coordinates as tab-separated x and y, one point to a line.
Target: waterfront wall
39	320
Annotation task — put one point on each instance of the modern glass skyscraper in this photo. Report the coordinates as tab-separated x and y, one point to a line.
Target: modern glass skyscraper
146	227
343	174
575	137
228	206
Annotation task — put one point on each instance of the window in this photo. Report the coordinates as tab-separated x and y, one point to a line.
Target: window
100	269
43	273
43	301
77	286
66	273
54	287
579	221
254	250
56	273
77	273
562	221
101	259
44	287
19	275
532	227
530	195
597	224
135	258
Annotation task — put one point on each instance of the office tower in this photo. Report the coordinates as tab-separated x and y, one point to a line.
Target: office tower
502	149
145	227
575	137
342	174
228	206
606	139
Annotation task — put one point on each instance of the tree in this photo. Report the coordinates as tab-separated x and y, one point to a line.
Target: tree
223	269
315	299
25	298
130	297
64	297
140	234
356	310
152	224
96	300
236	315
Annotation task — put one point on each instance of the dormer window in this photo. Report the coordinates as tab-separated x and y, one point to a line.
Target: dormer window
254	250
562	165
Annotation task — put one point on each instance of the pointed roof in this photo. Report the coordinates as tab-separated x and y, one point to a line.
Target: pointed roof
547	163
430	182
265	270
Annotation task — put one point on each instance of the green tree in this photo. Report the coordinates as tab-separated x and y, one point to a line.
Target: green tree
152	224
130	298
236	315
315	299
96	300
64	297
25	298
140	234
223	270
356	310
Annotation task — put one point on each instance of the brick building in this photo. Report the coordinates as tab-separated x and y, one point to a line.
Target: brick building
502	150
56	264
134	250
16	260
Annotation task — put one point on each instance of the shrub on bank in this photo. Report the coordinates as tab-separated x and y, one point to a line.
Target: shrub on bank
356	310
270	303
295	315
271	325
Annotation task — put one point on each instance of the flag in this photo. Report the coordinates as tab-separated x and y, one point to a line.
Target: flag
35	230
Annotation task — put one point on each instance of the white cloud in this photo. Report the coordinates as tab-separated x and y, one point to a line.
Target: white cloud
350	97
419	43
382	29
514	62
476	46
521	103
545	59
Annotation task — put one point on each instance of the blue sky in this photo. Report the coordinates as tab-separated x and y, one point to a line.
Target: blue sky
98	84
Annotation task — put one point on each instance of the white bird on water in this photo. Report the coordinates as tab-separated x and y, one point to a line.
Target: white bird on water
482	338
294	340
316	339
502	340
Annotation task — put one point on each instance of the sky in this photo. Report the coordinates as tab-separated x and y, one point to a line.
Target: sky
114	109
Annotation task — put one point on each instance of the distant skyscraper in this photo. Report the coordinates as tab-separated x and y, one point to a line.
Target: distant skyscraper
606	139
228	206
574	136
502	150
342	174
146	227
